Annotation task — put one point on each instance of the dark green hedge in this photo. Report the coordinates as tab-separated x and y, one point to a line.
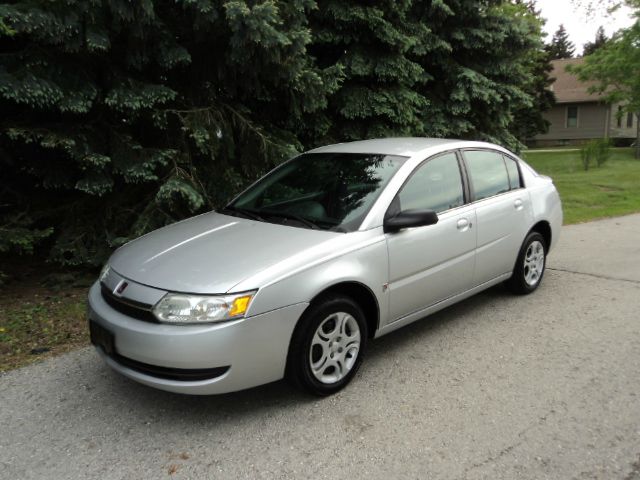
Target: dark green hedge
119	117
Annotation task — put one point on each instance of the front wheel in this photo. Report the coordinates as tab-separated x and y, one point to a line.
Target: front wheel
327	346
530	265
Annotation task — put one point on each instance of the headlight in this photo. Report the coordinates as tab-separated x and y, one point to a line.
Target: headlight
181	308
103	273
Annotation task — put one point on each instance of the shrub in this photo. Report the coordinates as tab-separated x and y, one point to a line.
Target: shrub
602	150
598	151
586	153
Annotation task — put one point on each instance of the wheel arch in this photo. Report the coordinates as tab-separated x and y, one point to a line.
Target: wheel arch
362	295
543	228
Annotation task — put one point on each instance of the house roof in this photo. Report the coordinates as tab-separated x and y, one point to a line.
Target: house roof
566	87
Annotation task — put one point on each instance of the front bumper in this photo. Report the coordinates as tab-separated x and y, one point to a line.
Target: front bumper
255	349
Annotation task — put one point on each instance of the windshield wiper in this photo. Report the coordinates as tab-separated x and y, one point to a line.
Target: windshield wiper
243	211
255	216
292	216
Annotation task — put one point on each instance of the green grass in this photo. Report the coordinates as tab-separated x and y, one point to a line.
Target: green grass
610	190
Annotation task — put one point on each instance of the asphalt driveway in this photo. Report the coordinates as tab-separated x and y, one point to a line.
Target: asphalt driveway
497	387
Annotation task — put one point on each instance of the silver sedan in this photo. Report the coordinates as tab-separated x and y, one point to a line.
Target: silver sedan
331	249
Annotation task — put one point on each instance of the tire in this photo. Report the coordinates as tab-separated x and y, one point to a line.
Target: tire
530	265
327	345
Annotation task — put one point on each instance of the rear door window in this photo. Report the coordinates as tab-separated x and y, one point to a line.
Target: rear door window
488	173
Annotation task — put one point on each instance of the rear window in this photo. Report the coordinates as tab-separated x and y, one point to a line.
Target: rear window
514	173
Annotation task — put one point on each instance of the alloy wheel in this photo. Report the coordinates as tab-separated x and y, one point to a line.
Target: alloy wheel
533	263
334	347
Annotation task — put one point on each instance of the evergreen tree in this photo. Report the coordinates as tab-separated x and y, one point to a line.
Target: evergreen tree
561	46
528	119
600	40
119	116
475	61
371	43
430	68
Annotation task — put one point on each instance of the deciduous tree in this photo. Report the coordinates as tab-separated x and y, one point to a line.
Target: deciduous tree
615	69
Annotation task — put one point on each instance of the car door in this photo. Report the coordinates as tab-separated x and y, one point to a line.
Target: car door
431	263
503	213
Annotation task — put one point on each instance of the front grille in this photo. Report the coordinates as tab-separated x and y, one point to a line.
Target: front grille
130	308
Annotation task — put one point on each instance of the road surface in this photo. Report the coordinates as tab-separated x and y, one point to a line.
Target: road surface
496	387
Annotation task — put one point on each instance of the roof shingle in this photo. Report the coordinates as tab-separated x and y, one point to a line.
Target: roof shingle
566	87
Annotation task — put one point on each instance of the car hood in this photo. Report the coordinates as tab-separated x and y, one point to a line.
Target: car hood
211	253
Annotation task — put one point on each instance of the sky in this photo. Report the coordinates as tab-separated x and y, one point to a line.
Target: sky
580	25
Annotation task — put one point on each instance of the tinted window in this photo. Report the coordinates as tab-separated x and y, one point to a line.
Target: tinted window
619	117
572	116
488	173
514	174
435	185
331	191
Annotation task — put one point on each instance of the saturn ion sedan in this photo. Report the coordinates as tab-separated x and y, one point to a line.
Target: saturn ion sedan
338	246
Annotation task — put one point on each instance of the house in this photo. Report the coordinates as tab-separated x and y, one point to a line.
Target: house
579	116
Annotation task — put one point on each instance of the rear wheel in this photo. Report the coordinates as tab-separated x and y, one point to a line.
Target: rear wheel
327	346
530	265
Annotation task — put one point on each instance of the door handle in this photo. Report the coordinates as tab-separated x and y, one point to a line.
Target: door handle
463	224
518	204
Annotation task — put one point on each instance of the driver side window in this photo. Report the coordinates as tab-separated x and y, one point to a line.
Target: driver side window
435	185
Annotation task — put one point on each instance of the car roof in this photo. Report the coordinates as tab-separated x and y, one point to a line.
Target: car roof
406	147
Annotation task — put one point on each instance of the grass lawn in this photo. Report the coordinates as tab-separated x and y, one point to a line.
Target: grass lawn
613	189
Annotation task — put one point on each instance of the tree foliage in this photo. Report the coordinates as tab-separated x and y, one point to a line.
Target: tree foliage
456	69
479	64
119	117
561	46
528	119
615	69
373	43
600	40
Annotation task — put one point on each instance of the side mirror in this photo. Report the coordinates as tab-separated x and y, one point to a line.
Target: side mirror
410	219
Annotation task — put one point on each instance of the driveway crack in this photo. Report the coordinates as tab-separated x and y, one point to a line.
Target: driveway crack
519	440
595	275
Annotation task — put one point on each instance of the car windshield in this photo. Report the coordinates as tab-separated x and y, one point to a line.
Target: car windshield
328	191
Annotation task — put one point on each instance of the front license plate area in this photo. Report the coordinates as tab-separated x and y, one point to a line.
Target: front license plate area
101	337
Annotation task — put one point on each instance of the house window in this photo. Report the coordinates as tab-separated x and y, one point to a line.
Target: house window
629	120
619	116
572	117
